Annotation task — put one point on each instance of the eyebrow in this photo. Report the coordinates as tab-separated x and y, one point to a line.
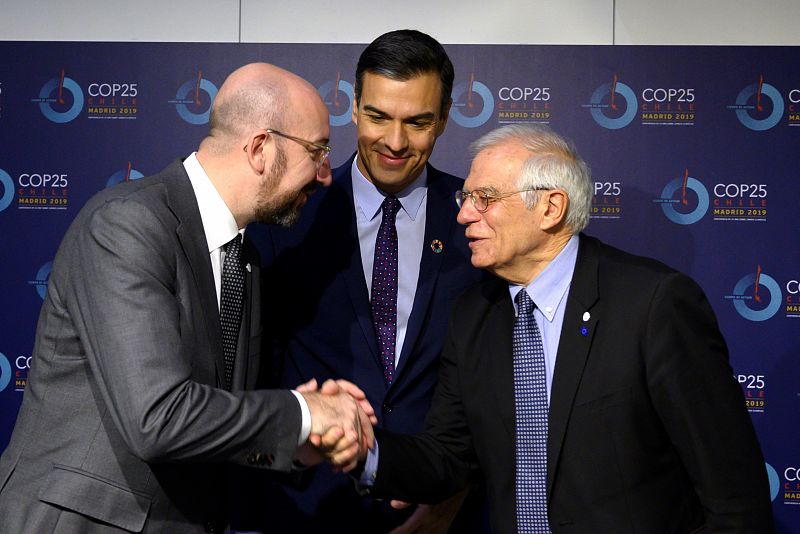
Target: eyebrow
492	190
428	115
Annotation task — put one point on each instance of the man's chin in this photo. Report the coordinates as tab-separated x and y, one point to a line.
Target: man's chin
285	216
288	217
289	213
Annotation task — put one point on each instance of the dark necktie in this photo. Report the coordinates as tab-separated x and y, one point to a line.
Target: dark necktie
230	309
530	399
384	286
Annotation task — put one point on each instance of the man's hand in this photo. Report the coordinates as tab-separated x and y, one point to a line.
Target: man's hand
431	518
331	387
341	423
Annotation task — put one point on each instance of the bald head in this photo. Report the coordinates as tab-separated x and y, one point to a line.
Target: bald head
257	95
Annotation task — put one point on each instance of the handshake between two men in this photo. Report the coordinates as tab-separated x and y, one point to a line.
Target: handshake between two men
341	424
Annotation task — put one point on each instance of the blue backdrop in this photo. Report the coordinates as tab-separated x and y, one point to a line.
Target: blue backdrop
694	152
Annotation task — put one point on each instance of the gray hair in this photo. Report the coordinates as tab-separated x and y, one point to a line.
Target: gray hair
553	164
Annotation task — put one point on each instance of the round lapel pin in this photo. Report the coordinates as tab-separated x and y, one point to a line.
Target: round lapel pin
584	331
437	246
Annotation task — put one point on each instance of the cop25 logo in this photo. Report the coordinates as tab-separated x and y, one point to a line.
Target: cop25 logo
473	103
60	99
338	96
759	106
613	105
42	277
756	296
124	175
774	481
6	190
684	200
193	99
5	372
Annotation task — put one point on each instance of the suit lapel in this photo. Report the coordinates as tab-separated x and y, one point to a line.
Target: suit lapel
496	350
440	223
354	275
183	203
573	349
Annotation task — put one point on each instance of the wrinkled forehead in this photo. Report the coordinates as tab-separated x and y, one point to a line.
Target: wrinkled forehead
497	168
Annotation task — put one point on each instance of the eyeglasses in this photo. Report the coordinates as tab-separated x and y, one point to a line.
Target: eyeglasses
481	199
319	153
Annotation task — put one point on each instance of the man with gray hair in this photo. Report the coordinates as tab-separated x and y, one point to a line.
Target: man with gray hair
589	387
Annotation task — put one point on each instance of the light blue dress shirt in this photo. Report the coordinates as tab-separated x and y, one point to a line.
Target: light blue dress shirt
549	292
410	224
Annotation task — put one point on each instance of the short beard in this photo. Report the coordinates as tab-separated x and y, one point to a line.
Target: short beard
274	211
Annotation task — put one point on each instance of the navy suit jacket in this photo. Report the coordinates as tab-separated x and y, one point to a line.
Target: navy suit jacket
317	308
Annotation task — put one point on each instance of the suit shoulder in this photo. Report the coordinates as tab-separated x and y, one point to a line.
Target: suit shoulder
148	189
448	181
489	291
145	193
628	261
142	203
636	270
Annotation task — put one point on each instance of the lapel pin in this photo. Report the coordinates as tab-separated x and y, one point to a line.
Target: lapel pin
584	331
247	267
437	246
586	316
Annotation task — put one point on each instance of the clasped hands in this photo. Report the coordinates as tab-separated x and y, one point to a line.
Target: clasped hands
341	424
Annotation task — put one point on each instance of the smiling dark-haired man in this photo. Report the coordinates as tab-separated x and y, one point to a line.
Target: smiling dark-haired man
370	273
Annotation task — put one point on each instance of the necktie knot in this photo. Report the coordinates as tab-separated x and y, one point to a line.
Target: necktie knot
390	207
233	247
525	305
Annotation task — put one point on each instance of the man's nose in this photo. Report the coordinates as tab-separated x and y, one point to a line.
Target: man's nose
395	137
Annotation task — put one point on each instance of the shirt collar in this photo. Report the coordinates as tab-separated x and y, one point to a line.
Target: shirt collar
218	222
548	289
368	198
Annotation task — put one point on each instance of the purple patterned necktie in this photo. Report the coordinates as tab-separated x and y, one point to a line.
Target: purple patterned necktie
384	286
530	399
230	308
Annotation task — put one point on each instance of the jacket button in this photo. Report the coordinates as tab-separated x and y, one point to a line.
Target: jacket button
387	408
210	527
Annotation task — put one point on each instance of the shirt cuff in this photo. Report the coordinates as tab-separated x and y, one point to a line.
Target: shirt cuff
367	478
305	426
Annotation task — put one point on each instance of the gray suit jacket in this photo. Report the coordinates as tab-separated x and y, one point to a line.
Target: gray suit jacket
123	427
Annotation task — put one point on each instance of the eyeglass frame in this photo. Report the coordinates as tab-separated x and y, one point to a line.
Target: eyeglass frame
461	196
325	150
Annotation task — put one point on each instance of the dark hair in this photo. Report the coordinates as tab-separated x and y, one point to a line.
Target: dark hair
404	54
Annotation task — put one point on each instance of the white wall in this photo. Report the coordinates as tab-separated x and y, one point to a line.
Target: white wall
714	22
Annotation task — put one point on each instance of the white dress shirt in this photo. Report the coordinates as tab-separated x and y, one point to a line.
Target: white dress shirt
220	227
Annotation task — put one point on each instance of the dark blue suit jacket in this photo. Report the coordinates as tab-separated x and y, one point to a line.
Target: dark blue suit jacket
648	430
318	312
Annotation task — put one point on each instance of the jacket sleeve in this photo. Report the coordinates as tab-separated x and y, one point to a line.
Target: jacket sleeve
124	299
703	410
440	461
